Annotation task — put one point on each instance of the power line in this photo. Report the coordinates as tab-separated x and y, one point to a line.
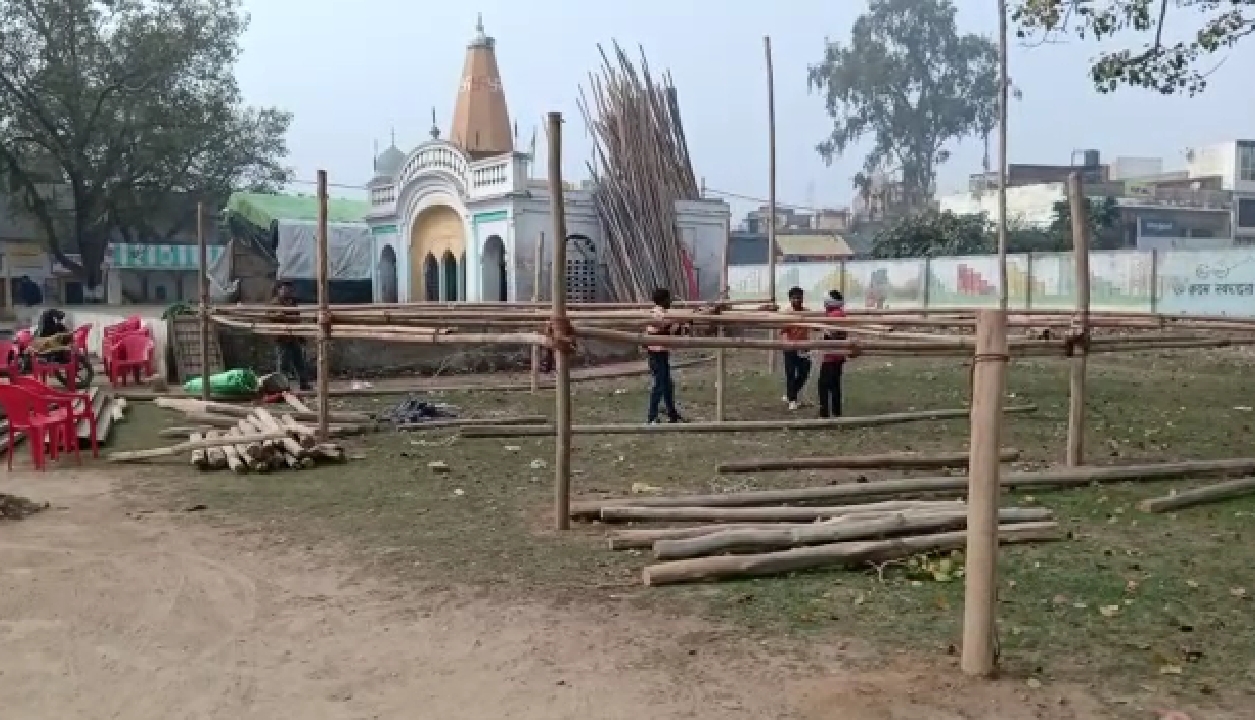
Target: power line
329	184
761	201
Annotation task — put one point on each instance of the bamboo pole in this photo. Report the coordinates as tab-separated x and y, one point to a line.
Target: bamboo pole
847	554
768	514
731	426
324	314
721	354
536	280
1199	496
771	187
981	588
914	487
189	446
889	460
559	325
1080	260
1004	86
203	279
842	529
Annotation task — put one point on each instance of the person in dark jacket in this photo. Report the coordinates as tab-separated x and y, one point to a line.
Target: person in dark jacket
290	351
662	392
833	364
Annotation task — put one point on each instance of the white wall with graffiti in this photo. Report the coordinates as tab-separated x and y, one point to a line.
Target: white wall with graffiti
1215	282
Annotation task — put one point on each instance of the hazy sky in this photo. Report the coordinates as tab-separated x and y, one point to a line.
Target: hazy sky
352	71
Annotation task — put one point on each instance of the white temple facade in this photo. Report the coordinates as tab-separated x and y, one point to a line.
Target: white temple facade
460	218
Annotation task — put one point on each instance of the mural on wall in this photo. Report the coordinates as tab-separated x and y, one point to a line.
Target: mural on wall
884	284
1207	283
1214	282
1118	281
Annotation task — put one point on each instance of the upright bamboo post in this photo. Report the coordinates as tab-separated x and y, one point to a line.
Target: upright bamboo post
721	354
981	582
203	278
324	314
536	280
560	334
1080	323
1004	83
771	189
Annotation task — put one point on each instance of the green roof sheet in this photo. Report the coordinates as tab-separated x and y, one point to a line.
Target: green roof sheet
262	209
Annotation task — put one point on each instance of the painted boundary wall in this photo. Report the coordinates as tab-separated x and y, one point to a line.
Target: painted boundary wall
1212	282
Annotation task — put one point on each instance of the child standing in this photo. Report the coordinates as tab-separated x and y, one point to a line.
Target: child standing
833	361
662	391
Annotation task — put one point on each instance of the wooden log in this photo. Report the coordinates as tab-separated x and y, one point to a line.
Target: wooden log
981	577
1200	496
323	276
199	459
856	492
190	405
329	452
1076	378
836	555
771	186
646	537
183	447
271	424
890	460
297	404
764	514
184	430
215	457
211	419
731	425
234	461
305	435
721	354
538	264
467	422
839	530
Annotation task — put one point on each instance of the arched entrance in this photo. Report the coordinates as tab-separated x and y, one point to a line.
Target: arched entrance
448	277
388	275
493	277
437	230
431	279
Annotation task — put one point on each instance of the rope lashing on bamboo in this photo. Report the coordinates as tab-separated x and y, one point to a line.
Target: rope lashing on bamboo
561	334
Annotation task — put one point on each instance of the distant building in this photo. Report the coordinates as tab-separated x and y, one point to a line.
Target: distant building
750	248
1209	204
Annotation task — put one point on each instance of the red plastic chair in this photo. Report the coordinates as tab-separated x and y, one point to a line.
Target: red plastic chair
110	333
66	401
35	417
9	358
131	353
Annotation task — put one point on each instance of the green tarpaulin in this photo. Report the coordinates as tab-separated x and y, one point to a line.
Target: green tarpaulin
263	209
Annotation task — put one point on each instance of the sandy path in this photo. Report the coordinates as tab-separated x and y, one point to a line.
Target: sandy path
109	614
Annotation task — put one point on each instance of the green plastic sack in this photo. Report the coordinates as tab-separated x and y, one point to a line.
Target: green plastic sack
232	382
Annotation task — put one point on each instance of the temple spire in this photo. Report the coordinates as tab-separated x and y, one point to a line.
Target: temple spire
481	123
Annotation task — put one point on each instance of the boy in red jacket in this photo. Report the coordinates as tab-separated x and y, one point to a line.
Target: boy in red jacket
833	361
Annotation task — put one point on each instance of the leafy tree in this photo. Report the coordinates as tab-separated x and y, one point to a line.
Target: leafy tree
931	234
114	111
1103	217
911	82
1160	62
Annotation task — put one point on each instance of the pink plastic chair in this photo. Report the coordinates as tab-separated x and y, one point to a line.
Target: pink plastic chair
66	401
8	358
131	353
110	334
33	416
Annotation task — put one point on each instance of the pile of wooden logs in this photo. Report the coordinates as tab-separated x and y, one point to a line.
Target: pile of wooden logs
250	438
772	532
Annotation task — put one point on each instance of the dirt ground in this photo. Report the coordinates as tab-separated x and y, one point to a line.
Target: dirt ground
109	611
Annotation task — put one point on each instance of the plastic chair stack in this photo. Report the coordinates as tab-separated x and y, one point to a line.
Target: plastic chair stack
46	428
77	406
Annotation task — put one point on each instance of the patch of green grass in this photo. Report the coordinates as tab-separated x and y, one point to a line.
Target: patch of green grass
487	521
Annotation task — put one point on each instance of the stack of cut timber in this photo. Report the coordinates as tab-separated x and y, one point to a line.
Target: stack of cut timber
251	439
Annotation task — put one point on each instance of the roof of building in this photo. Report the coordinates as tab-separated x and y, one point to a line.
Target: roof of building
481	121
389	162
812	244
262	209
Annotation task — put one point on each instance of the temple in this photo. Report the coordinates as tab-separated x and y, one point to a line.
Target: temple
459	217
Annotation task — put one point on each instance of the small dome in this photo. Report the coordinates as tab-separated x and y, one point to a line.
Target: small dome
389	162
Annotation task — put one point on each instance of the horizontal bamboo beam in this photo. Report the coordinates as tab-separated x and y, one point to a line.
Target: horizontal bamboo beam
728	426
889	460
907	487
469	422
767	514
1200	496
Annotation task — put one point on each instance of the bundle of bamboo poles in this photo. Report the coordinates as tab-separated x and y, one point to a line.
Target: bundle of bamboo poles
640	168
772	532
248	438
